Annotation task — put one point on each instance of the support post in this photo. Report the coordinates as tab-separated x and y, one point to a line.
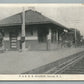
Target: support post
57	36
48	39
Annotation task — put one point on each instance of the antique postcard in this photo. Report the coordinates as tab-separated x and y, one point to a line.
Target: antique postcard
41	41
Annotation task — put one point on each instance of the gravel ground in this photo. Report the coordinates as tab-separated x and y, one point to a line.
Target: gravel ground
14	62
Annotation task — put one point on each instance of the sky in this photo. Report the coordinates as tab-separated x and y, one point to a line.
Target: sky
69	15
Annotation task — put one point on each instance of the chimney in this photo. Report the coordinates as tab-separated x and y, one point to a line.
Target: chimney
31	8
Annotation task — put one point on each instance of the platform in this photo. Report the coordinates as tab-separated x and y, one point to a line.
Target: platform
14	62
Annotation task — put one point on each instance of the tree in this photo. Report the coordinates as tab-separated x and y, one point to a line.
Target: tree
70	38
76	35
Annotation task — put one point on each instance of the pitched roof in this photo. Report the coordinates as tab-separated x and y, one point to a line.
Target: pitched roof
12	20
32	17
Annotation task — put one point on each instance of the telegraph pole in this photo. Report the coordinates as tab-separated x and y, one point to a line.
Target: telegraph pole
75	38
23	30
75	31
76	22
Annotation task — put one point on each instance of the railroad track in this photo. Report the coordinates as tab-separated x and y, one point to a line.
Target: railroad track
66	66
77	68
60	66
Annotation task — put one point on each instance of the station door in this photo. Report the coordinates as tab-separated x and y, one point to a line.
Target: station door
13	40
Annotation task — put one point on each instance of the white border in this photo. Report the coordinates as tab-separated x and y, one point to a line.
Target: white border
37	77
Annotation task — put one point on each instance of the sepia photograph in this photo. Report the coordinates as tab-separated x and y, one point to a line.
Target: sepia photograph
42	39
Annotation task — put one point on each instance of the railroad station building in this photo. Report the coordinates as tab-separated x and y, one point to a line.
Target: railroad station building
30	30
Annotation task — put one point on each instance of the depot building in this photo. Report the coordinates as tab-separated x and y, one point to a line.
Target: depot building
30	30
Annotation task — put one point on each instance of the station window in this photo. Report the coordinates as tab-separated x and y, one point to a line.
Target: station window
31	31
42	34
